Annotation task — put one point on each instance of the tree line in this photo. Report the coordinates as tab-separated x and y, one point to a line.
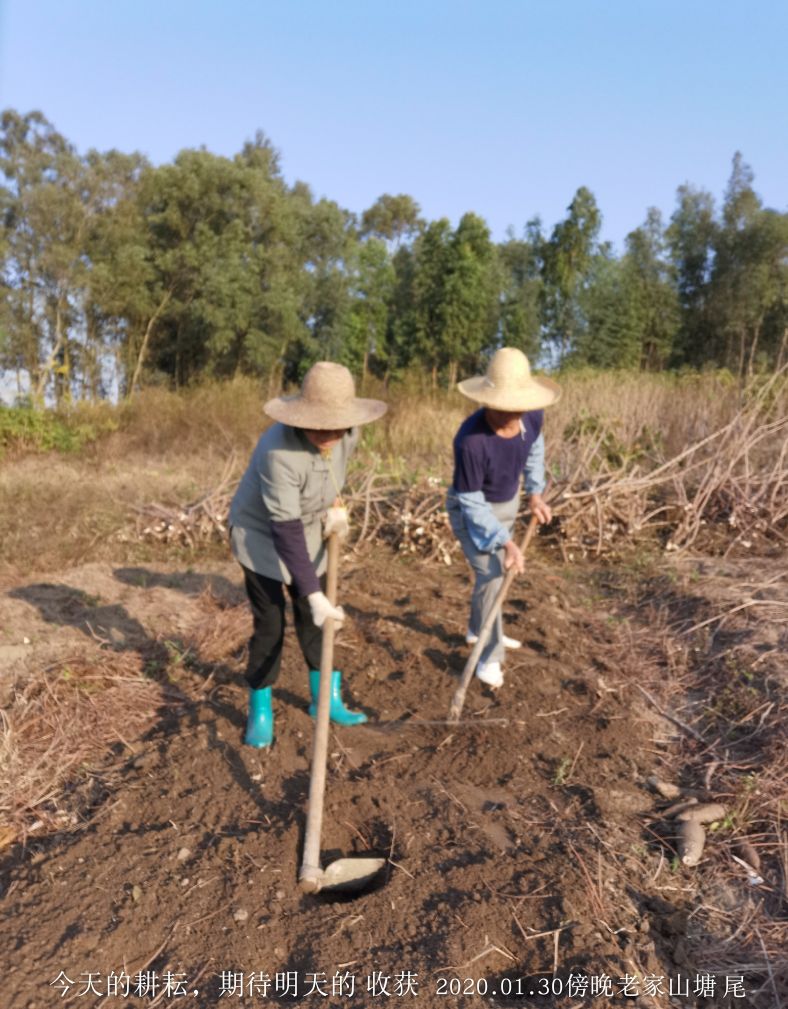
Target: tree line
117	273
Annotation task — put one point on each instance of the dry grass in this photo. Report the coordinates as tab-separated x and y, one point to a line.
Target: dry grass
716	670
60	726
224	630
692	461
609	438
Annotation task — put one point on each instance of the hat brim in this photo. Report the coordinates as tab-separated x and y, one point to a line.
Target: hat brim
534	395
298	412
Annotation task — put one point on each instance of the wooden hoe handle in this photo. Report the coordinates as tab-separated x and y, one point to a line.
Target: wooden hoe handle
311	874
458	700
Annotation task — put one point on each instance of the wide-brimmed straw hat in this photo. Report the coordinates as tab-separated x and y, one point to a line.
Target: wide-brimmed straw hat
327	401
509	384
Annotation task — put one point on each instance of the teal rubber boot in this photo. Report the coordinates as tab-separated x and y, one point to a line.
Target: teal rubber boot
260	724
340	715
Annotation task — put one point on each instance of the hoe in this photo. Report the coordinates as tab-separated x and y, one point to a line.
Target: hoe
344	874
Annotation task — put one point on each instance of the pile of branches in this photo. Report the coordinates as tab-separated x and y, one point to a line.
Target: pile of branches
188	525
726	490
730	487
412	520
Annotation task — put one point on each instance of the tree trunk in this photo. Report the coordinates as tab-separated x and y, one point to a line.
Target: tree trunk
452	375
364	367
753	346
144	346
783	348
742	354
275	374
46	371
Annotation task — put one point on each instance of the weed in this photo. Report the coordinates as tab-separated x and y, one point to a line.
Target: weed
23	429
562	772
178	654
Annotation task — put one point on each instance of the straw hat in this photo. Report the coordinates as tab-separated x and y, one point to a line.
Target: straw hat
509	384
327	401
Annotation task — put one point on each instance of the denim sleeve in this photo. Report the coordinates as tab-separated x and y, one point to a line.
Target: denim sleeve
485	530
534	468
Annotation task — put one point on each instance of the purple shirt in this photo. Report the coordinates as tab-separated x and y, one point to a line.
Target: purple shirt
486	462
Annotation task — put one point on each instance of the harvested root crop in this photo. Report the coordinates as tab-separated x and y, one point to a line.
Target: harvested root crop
708	812
692	840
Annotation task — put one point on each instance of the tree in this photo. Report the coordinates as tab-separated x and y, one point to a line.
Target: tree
649	288
748	280
372	283
611	334
568	256
521	264
431	265
691	235
392	218
470	310
45	216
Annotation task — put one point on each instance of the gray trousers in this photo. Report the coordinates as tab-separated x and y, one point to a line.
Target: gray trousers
488	568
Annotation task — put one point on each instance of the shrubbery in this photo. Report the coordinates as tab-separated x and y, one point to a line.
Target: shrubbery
23	429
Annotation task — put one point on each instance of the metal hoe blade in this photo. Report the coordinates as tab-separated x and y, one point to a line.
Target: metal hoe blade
345	875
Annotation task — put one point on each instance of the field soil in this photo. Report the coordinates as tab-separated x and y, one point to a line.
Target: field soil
524	846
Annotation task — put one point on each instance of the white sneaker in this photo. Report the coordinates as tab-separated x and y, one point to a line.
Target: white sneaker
490	673
510	643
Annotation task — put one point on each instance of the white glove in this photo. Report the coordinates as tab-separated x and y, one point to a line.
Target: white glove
322	608
337	522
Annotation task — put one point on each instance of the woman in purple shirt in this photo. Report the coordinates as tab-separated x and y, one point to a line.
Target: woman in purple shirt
494	449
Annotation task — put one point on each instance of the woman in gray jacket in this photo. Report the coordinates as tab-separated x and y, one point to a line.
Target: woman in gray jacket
293	483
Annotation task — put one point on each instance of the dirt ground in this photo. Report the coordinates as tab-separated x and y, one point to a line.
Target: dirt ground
525	851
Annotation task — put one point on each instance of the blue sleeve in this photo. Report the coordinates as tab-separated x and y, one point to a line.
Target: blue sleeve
534	468
290	544
486	532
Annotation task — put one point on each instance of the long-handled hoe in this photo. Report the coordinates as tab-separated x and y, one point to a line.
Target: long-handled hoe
458	700
344	874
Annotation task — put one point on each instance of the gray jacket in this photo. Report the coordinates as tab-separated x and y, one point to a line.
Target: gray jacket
286	479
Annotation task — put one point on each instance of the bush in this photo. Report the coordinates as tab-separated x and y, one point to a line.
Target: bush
23	429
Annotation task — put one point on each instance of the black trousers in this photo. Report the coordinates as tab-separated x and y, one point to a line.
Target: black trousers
267	599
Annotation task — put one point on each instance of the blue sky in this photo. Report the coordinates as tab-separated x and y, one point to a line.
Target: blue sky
499	107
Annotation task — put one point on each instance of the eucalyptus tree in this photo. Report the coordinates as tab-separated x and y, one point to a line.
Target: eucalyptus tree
691	235
612	320
650	290
393	219
45	217
372	280
470	310
568	256
118	302
327	245
748	278
424	329
222	251
521	264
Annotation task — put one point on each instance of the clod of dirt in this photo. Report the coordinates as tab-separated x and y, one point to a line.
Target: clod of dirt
240	915
183	854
